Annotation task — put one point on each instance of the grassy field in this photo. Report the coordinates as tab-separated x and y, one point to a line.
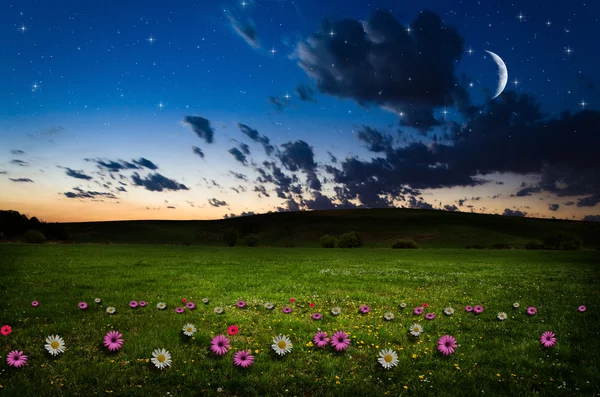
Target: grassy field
494	357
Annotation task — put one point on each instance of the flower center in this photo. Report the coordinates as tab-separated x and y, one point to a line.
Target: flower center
113	339
54	344
388	358
161	358
282	344
189	329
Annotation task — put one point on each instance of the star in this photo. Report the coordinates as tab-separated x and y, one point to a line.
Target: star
548	23
520	17
244	4
445	112
22	29
287	96
516	82
408	29
34	87
332	33
470	51
583	104
160	105
272	51
151	39
568	50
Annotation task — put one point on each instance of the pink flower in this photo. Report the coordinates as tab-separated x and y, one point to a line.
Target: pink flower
5	330
287	310
83	305
469	308
241	304
133	304
340	341
478	309
548	339
35	303
190	305
531	311
292	300
582	309
233	329
219	345
321	340
179	310
311	304
243	358
364	309
317	316
446	345
16	359
143	303
184	300
430	316
425	304
418	311
113	340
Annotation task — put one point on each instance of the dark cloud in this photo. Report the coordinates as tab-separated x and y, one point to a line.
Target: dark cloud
201	127
332	158
451	208
83	194
420	118
377	141
257	137
290	205
246	30
271	173
142	162
591	218
305	93
278	103
249	213
299	156
157	183
113	166
170	207
261	190
20	163
77	174
245	148
3	172
17	152
238	155
419	204
198	151
217	203
527	191
21	180
569	203
238	175
509	212
588	201
121	189
553	207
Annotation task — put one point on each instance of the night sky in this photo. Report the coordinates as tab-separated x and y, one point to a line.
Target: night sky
211	109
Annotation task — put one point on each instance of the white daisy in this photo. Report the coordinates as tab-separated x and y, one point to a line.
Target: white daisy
416	329
502	316
161	305
111	310
269	305
449	311
55	344
402	305
516	305
388	358
205	300
189	329
281	345
336	311
388	316
218	310
98	300
161	358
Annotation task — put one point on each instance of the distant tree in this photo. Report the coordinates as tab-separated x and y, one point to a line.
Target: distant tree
349	240
563	240
398	244
534	245
34	237
328	241
230	236
251	240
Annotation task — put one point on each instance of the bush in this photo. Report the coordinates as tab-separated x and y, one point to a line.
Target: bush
475	246
563	240
501	246
349	240
230	236
534	245
405	244
251	240
328	241
34	237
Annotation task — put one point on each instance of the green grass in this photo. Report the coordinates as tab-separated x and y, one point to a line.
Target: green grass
60	276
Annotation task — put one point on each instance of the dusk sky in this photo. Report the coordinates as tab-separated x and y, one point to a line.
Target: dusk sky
201	110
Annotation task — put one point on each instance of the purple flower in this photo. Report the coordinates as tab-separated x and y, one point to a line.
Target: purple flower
430	316
317	316
340	341
418	310
190	305
478	309
469	308
179	310
241	304
143	303
320	339
83	305
548	339
364	309
446	345
531	311
581	308
219	345
133	304
36	304
287	310
243	358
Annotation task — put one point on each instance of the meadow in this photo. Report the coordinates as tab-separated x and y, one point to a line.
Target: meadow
493	357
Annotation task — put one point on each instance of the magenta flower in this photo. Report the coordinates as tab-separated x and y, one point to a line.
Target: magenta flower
179	310
219	345
364	309
133	304
548	339
113	340
446	345
469	309
478	309
16	359
320	339
83	305
287	310
418	311
317	316
430	316
190	305
243	358
340	341
143	303
531	310
36	304
241	304
582	308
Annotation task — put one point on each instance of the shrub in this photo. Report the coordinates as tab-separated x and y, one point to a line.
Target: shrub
34	237
475	246
230	236
251	240
563	240
405	244
349	240
534	245
328	241
501	246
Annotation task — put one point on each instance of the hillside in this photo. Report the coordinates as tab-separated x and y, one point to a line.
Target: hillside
379	228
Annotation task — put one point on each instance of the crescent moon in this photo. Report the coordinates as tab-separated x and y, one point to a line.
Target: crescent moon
502	73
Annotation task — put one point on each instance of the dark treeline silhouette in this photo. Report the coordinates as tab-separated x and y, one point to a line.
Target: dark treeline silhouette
14	225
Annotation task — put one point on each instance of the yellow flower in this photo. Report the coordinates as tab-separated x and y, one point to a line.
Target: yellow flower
414	356
497	374
420	376
406	387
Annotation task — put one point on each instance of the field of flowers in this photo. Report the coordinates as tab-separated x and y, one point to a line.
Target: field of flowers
166	321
